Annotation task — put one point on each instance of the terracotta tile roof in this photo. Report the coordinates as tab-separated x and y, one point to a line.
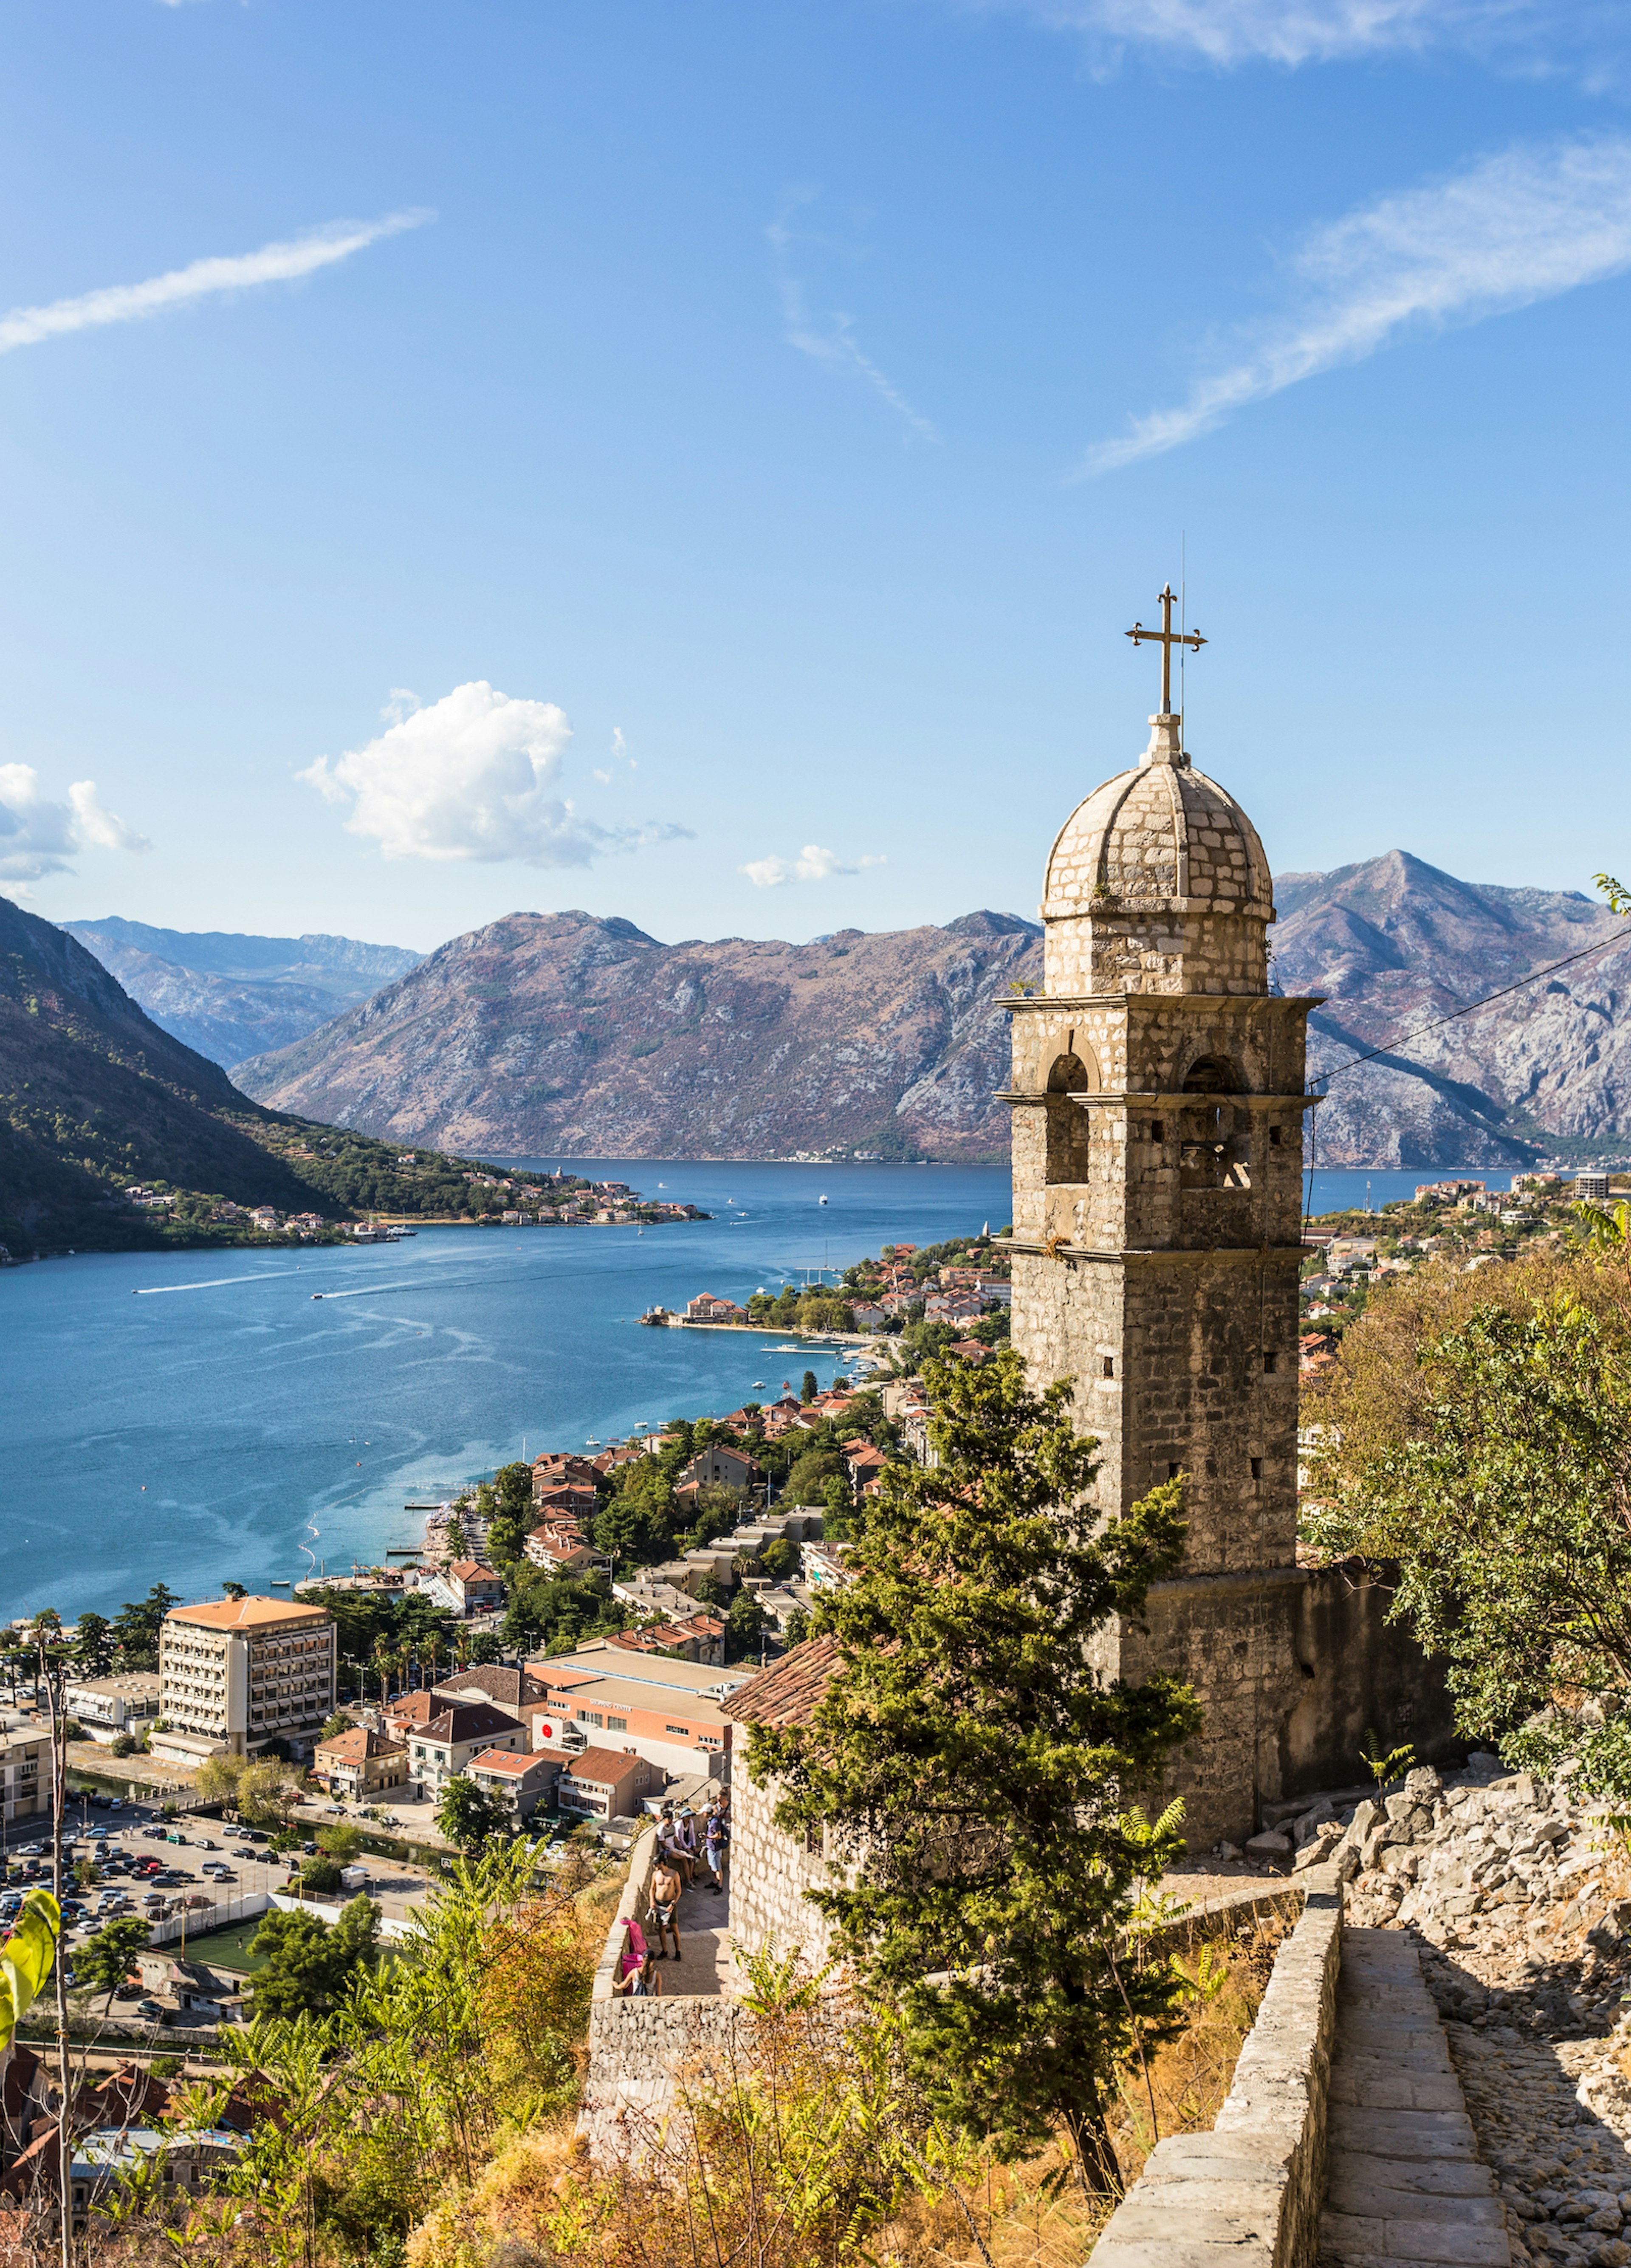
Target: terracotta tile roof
247	1613
354	1746
789	1691
603	1768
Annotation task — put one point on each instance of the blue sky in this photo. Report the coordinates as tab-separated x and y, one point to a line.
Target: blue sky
697	463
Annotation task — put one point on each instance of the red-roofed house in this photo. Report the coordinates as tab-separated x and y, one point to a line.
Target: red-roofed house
564	1555
478	1589
522	1782
604	1785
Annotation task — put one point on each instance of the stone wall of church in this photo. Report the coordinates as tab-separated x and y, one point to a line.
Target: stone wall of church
1153	950
771	1870
1167	1354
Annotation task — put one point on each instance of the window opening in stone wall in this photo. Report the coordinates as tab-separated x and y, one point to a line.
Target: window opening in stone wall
1172	1469
1157	1129
1271	1364
1109	1366
1069	1128
1274	1138
1257	1469
1211	1075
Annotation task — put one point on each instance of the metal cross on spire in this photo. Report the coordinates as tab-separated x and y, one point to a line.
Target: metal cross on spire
1166	637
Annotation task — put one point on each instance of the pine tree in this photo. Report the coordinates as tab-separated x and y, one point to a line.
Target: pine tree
978	1779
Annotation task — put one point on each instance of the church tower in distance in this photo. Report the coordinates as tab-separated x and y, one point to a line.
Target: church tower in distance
1158	1099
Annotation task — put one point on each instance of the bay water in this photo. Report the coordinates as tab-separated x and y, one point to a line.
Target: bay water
190	1418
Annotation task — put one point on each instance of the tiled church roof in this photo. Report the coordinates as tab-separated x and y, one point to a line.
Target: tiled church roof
790	1690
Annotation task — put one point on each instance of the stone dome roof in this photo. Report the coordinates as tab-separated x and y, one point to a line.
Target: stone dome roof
1161	833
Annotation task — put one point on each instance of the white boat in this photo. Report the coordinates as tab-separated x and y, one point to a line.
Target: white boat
821	1200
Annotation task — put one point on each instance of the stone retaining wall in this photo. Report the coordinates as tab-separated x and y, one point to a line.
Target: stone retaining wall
1251	2191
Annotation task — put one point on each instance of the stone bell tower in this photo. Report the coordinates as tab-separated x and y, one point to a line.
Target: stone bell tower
1158	1113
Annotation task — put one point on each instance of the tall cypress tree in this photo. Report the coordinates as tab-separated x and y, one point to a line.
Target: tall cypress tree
978	1780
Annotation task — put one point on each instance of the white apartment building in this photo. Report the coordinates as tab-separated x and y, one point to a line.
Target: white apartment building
108	1706
24	1774
237	1673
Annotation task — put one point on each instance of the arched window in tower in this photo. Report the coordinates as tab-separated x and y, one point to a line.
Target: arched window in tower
1069	1125
1216	1138
1211	1075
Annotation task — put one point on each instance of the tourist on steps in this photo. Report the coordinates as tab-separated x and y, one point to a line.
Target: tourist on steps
673	1849
716	1835
667	1888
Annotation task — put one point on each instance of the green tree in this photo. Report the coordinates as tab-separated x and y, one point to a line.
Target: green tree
809	1390
235	1590
980	1777
342	1842
218	1777
135	1628
507	1539
512	1487
838	1505
636	1525
1501	1487
798	1628
744	1626
468	1815
779	1559
309	1963
341	1721
93	1651
104	1963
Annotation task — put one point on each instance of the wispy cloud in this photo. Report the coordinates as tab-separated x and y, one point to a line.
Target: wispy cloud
812	864
1511	230
474	776
38	836
273	263
1292	33
829	338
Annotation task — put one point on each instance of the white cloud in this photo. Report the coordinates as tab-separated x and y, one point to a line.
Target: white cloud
473	775
812	864
1508	231
38	836
273	263
830	339
1292	33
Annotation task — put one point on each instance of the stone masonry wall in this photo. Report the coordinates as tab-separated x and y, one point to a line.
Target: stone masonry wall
1252	2190
769	1873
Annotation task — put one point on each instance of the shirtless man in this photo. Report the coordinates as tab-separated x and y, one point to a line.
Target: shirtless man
666	1889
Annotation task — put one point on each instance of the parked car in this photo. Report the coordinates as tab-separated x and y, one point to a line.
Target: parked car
152	2010
205	1844
310	1849
128	1992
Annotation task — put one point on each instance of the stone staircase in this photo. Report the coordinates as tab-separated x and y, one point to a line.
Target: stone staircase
1404	2187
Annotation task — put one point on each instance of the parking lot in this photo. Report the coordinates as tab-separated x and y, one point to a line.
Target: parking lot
153	1868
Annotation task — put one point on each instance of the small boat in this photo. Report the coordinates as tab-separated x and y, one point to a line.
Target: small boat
276	1585
317	1295
759	1385
821	1200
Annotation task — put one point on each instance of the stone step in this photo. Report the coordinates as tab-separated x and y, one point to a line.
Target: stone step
1404	2183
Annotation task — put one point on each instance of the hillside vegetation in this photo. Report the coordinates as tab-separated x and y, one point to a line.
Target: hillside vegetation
95	1099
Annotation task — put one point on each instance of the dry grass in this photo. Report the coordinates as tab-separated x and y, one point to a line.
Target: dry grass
1032	2215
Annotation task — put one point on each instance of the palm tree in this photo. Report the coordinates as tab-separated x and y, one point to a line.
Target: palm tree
382	1663
432	1653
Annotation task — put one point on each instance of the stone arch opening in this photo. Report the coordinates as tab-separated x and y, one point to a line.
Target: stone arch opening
1211	1075
1216	1152
1069	1126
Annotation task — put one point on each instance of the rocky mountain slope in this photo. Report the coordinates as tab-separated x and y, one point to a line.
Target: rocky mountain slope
229	996
94	1095
551	1034
1394	945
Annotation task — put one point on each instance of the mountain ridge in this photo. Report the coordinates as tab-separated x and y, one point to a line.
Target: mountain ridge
575	1034
227	995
